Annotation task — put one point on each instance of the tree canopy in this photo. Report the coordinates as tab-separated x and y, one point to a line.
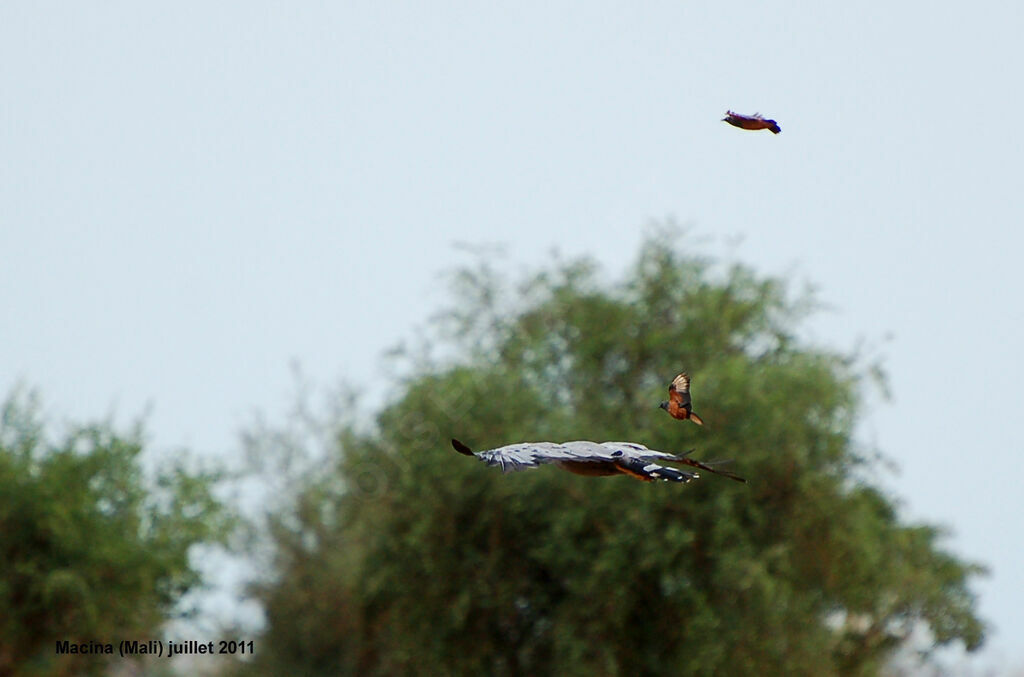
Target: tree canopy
91	549
403	557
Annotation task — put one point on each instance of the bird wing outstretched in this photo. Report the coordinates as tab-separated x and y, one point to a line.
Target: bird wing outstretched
525	455
584	458
679	392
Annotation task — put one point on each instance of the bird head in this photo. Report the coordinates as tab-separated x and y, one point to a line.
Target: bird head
663	405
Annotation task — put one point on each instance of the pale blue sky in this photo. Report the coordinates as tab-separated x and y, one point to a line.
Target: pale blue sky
194	194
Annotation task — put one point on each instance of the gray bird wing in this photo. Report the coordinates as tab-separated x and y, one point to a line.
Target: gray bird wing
525	455
636	458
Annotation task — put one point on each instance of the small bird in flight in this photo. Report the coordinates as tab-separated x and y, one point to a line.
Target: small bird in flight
593	459
678	403
753	122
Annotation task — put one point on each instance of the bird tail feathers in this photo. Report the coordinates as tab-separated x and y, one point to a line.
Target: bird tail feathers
647	471
684	458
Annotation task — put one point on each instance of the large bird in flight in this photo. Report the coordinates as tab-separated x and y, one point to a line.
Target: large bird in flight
593	459
753	122
678	404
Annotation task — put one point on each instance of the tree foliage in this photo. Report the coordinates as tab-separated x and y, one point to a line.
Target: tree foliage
402	557
90	550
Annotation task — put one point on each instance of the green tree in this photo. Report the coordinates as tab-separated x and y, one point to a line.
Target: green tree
90	550
402	557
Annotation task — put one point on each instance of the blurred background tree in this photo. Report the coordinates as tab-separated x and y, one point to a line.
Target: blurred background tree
90	547
399	556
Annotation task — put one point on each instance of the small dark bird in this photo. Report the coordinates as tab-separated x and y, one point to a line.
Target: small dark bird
593	459
753	122
678	403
